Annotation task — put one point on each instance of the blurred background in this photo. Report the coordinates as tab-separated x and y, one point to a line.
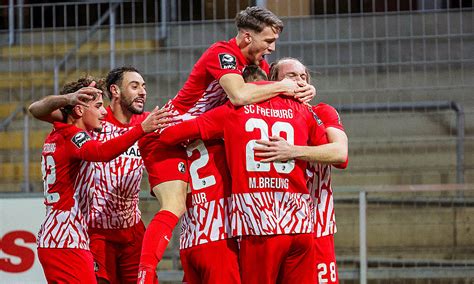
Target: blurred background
400	72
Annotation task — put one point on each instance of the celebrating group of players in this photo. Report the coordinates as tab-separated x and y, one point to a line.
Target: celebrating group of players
245	165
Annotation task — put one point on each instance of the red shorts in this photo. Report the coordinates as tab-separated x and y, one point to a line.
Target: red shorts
117	252
215	262
67	265
163	162
326	260
277	259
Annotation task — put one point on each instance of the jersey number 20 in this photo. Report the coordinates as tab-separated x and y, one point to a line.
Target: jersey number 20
276	130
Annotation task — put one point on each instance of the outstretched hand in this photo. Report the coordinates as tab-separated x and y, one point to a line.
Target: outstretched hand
157	119
276	149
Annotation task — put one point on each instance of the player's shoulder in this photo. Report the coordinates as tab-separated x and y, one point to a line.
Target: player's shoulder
71	133
321	107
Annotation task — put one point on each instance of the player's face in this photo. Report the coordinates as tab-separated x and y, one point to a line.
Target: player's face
133	92
293	70
262	44
94	115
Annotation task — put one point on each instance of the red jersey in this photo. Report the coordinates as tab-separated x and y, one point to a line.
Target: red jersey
206	218
202	92
267	198
114	203
320	179
68	179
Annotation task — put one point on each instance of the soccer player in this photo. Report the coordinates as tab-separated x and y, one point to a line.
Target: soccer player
270	203
209	254
215	78
63	242
320	168
116	230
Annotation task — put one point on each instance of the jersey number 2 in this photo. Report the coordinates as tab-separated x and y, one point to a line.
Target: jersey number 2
198	182
48	169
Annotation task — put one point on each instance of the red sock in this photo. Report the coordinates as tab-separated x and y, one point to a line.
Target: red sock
156	239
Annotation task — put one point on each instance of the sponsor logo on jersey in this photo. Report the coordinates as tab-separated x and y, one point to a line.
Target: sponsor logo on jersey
227	61
132	152
80	138
181	167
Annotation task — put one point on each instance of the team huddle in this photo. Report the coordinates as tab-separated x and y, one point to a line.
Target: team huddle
238	155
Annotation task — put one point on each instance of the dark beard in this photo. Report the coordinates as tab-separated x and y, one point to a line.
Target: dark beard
131	109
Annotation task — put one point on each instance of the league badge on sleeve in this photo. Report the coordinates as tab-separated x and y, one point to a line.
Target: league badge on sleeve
80	138
227	61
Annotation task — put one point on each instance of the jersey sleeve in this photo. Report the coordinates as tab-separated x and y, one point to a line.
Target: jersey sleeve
211	124
95	151
181	132
221	60
329	116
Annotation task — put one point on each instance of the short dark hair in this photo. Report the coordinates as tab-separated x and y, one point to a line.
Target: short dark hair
253	73
257	18
74	86
275	69
115	76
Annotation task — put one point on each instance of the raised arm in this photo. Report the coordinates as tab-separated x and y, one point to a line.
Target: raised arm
241	93
48	108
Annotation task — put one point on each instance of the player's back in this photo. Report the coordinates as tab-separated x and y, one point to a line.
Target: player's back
269	198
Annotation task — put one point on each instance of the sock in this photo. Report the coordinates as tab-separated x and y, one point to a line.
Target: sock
156	239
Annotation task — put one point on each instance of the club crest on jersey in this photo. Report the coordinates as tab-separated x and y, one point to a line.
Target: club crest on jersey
181	167
227	61
80	138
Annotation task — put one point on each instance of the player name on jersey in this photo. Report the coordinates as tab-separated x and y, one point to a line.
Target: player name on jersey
268	183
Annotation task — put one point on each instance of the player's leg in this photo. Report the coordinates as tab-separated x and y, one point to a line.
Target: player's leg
214	262
172	197
105	259
260	258
67	265
298	266
129	253
168	177
325	256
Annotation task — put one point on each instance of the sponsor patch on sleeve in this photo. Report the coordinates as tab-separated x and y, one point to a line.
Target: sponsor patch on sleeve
80	138
227	61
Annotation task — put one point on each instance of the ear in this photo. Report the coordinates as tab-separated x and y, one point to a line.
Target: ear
247	37
114	91
77	111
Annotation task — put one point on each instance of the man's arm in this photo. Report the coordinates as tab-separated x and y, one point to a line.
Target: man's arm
48	108
241	93
96	151
277	149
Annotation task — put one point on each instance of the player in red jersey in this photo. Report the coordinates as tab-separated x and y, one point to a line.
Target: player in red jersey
270	204
215	78
209	254
63	242
335	152
116	230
